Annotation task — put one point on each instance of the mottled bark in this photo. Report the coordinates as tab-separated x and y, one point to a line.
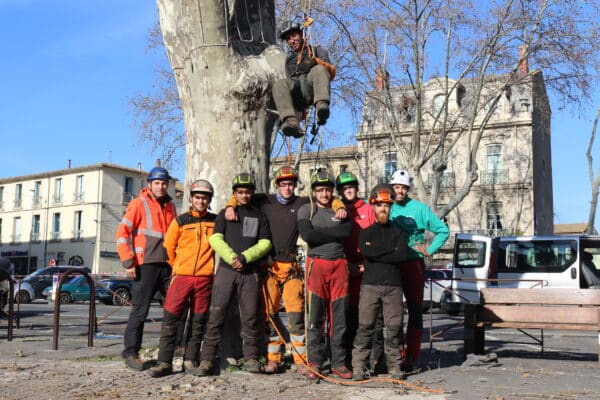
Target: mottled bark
224	60
594	181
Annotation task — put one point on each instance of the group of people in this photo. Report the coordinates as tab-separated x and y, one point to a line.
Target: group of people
362	257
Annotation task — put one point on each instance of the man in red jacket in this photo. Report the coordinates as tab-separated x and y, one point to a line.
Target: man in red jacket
140	238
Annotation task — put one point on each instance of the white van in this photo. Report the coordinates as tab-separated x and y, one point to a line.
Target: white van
520	261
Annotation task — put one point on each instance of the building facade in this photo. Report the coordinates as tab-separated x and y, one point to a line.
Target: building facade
511	193
69	216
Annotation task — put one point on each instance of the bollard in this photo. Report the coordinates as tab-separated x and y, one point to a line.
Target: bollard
92	309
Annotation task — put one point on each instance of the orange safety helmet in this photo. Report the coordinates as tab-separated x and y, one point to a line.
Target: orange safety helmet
382	193
285	173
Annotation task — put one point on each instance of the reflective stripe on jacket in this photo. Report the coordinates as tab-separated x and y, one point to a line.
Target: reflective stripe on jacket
141	232
186	242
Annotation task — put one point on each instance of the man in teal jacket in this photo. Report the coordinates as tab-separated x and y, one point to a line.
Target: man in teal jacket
415	218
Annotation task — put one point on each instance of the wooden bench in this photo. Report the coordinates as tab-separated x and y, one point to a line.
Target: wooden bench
531	308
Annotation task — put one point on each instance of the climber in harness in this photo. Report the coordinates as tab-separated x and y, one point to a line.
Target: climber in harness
307	82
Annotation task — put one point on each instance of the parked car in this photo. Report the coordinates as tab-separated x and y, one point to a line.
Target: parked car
33	285
436	281
78	289
119	288
521	261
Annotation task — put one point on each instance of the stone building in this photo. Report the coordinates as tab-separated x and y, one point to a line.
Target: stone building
69	215
511	192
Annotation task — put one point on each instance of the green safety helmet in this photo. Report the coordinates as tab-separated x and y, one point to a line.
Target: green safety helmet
321	178
243	179
345	178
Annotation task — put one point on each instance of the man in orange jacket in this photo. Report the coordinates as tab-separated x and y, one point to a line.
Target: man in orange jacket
140	238
193	264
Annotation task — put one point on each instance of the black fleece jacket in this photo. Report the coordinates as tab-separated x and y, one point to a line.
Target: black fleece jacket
384	248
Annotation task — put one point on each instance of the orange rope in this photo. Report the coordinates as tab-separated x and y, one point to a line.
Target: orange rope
336	381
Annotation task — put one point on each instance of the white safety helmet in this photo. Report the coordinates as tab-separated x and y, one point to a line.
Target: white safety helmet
401	177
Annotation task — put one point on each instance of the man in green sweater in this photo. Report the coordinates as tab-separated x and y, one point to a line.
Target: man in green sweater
240	245
414	218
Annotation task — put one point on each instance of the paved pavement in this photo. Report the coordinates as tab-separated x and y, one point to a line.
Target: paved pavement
568	370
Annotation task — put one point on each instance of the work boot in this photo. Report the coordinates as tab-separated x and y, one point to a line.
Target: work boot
161	369
252	366
291	127
188	365
309	371
343	372
397	374
135	363
322	112
272	367
358	374
206	368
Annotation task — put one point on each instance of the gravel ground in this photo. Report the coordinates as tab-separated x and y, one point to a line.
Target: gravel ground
30	370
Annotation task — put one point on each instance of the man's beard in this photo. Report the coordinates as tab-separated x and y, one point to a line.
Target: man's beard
382	217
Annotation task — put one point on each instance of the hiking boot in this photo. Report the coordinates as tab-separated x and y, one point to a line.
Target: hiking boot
291	127
309	371
409	367
272	367
322	112
252	366
206	368
397	374
161	369
358	374
189	365
135	363
179	351
342	372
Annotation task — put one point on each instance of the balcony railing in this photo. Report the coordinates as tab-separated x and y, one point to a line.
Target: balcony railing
126	197
15	238
78	197
1	205
492	232
17	203
55	236
78	234
494	177
447	180
35	236
36	202
57	199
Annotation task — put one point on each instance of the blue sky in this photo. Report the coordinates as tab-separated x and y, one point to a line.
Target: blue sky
69	67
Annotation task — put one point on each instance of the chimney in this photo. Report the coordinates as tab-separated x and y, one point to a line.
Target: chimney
69	164
523	61
140	167
158	162
382	79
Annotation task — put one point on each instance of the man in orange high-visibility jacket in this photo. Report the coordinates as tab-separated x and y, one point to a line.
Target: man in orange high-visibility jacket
140	238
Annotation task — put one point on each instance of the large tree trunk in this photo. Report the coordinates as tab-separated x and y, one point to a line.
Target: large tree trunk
224	60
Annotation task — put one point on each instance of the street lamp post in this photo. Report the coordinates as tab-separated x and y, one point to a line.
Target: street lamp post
30	233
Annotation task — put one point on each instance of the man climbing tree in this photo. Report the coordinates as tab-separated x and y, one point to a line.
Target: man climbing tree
309	73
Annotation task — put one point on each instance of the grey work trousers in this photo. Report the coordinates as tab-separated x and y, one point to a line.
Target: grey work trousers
226	285
374	298
293	95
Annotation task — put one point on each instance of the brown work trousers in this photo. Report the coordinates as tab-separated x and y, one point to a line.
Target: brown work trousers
293	95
